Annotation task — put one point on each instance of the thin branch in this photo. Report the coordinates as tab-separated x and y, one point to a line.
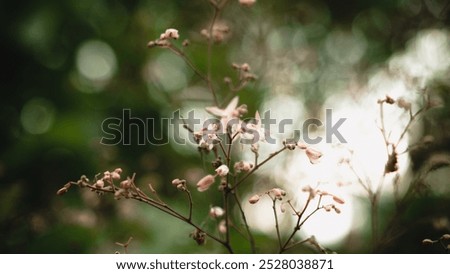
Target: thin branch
277	226
244	219
271	156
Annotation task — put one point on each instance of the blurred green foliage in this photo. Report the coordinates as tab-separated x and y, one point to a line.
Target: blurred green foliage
51	113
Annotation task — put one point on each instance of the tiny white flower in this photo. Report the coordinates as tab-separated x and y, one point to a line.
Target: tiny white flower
222	170
216	212
171	34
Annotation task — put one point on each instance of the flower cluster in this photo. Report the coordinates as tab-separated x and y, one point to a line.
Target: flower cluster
164	38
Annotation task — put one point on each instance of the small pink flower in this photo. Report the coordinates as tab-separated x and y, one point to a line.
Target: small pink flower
115	175
278	192
223	227
216	212
205	183
126	184
247	3
170	34
254	199
338	199
243	166
99	184
313	155
222	170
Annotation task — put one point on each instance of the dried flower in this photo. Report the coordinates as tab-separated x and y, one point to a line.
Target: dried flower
125	184
216	212
115	175
243	166
62	191
338	200
222	170
245	67
289	145
170	34
107	175
403	103
180	184
445	237
313	155
219	32
389	100
278	192
337	210
177	181
205	183
254	199
312	191
247	3
206	145
99	184
199	236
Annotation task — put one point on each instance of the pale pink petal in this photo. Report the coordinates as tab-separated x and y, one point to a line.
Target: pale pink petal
216	111
232	106
313	155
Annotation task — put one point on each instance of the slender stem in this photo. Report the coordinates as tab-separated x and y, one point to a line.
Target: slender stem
300	222
141	197
180	53
277	227
405	130
244	219
188	193
271	156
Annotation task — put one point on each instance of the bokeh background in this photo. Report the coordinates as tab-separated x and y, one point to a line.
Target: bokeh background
69	65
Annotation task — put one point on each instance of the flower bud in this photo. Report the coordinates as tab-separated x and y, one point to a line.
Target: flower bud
337	210
107	175
338	200
170	34
245	67
445	237
222	170
403	103
99	184
222	227
427	242
254	199
243	166
126	184
278	192
216	212
205	183
62	191
247	3
177	182
313	155
115	175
